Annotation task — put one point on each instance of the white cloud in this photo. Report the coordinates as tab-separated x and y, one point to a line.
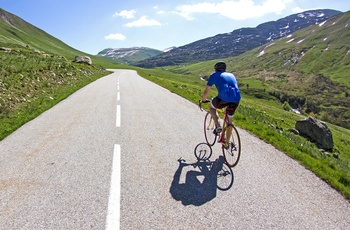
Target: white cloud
126	14
299	10
161	12
116	36
237	9
143	21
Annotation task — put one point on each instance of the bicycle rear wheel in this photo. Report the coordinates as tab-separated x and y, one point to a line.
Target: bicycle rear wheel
225	178
231	147
209	127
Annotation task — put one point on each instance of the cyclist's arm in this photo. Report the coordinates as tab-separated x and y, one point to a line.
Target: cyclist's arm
206	93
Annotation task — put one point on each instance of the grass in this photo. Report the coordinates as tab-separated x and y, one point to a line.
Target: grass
266	118
31	83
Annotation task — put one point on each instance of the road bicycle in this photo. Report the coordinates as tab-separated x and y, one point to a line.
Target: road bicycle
229	137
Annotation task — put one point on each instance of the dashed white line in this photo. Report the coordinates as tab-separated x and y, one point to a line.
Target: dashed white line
118	116
113	215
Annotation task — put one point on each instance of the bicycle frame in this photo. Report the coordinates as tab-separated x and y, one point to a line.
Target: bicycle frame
222	136
229	137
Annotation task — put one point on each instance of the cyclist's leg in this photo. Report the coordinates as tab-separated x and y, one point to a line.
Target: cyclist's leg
231	110
213	112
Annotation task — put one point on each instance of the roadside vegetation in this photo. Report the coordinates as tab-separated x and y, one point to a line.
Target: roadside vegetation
33	81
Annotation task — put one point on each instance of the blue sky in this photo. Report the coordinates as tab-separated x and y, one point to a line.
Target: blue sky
93	25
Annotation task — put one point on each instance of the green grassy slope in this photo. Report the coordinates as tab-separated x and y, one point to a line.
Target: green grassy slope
308	70
31	82
17	33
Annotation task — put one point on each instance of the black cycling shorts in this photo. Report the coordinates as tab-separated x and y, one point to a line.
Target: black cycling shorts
217	103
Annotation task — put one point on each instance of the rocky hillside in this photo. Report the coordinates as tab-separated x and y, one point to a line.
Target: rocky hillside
237	41
129	55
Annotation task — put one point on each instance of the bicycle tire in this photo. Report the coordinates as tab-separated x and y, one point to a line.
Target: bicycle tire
225	178
209	127
231	147
203	151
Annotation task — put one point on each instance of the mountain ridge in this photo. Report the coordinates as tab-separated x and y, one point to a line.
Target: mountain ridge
238	41
129	55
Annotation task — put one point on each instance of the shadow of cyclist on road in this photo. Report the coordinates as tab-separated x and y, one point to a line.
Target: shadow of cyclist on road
200	183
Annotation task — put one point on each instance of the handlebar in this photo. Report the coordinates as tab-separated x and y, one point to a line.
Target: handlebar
201	102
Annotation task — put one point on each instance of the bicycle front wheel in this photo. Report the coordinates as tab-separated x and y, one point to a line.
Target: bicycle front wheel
209	127
231	147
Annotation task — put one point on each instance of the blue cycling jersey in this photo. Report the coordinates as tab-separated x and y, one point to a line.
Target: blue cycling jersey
226	85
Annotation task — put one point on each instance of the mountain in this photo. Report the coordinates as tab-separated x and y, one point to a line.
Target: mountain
307	70
170	48
237	41
129	55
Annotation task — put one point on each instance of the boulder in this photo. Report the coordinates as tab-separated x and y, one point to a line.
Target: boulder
6	49
83	59
317	131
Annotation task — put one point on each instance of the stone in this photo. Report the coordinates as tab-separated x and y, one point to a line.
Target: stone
83	59
317	131
8	50
293	130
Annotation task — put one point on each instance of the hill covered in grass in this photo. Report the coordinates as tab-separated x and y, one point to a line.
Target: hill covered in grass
37	71
17	33
308	70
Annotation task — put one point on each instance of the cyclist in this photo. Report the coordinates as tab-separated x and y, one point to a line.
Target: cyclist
228	93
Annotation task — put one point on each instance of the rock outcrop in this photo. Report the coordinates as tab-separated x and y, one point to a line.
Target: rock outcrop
317	131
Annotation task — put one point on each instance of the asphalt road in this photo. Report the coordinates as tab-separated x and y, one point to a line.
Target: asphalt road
107	158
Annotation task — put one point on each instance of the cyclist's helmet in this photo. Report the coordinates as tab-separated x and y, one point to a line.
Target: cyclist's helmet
220	66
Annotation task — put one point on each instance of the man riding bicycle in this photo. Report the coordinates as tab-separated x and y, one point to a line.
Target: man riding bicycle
228	93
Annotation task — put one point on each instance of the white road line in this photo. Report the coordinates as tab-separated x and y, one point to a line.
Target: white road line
118	96
113	215
118	116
